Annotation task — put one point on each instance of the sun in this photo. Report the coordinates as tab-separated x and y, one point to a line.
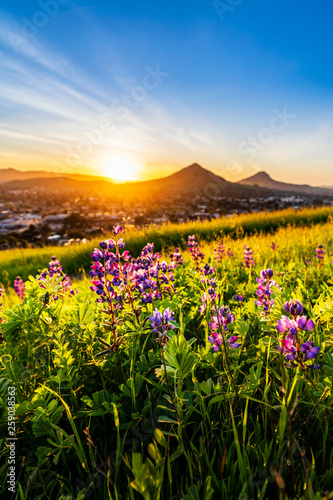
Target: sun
121	169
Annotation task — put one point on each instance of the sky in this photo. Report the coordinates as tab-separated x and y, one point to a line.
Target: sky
137	90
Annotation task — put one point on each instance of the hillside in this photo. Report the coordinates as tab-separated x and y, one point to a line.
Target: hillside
191	180
12	175
263	179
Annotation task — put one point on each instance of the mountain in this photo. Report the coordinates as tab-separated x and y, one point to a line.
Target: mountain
11	174
190	181
262	179
56	183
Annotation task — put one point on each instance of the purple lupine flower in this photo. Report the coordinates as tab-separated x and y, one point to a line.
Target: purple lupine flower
97	255
293	307
286	324
248	257
206	272
55	267
266	274
216	340
239	298
117	230
176	258
230	254
288	347
273	246
264	290
291	328
209	297
159	323
19	287
219	326
194	250
305	324
320	252
309	351
219	252
307	262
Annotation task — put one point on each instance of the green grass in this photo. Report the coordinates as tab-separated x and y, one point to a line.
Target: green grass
76	258
185	422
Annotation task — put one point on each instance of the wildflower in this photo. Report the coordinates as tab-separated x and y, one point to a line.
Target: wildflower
19	287
209	297
320	253
230	254
273	246
160	324
248	257
292	328
110	277
239	298
216	340
176	258
219	326
117	230
288	347
308	350
194	250
55	267
264	290
219	252
206	272
293	307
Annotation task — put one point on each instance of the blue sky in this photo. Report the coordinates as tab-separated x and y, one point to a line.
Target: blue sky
238	86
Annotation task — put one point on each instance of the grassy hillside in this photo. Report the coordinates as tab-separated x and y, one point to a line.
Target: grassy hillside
76	259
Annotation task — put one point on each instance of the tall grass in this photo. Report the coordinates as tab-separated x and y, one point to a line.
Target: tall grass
76	258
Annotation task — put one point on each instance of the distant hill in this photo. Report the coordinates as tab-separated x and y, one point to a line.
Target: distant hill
56	183
191	180
263	179
11	174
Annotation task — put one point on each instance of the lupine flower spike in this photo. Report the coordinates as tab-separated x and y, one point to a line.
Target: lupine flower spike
195	252
264	290
296	354
219	326
159	323
219	252
19	287
210	295
320	253
248	257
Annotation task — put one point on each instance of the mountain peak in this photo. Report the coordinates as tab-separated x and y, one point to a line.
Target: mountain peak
261	175
195	167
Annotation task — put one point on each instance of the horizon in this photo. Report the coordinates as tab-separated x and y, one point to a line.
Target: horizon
115	181
142	89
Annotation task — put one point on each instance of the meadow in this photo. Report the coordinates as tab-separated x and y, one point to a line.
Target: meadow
203	372
77	258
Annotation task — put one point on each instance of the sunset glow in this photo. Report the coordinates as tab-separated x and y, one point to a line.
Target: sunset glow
121	169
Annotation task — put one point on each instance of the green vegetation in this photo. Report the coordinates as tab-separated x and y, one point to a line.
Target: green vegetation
76	259
173	419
